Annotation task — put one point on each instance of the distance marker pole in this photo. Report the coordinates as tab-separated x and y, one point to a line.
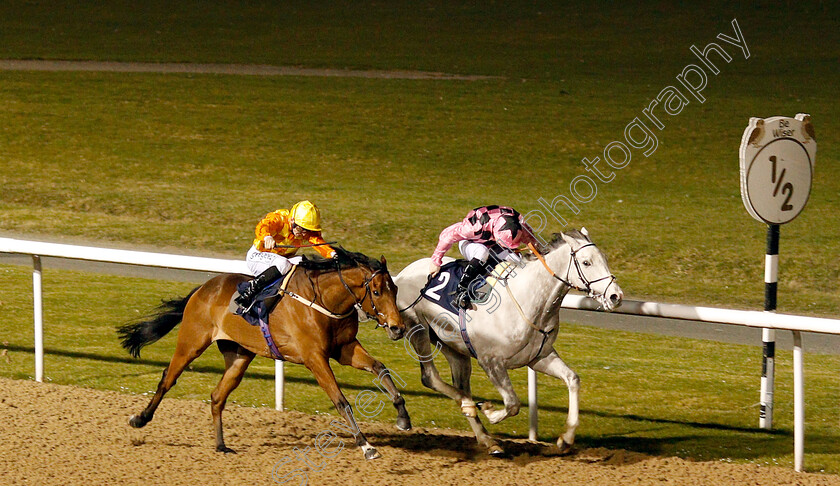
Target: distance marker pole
768	336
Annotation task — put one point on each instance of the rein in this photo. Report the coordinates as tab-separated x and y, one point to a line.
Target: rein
581	275
312	305
530	323
566	281
419	296
358	304
306	246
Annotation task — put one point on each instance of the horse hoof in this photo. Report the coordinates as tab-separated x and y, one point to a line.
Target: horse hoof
225	449
136	421
403	423
372	453
564	448
486	406
495	450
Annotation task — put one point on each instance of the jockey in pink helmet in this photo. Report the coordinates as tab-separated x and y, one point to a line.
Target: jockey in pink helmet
497	229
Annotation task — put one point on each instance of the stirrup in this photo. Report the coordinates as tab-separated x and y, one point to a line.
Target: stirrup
462	300
257	285
247	295
245	305
247	309
247	300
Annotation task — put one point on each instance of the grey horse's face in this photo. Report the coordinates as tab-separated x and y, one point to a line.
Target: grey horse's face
589	270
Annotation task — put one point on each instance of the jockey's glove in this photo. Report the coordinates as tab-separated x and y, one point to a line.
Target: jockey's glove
268	242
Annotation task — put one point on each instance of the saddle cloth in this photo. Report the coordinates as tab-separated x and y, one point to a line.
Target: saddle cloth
260	309
443	289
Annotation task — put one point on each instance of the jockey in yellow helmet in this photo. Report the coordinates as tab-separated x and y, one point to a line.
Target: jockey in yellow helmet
278	237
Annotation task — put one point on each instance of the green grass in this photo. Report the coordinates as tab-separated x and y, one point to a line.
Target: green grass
190	163
195	161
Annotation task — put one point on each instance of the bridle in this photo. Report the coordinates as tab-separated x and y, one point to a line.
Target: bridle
586	282
368	292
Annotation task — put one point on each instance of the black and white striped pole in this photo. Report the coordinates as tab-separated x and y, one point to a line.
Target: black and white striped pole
768	336
777	166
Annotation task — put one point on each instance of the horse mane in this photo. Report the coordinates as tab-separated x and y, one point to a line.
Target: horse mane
556	242
346	259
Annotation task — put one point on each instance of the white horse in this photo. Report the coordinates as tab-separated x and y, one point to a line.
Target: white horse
515	327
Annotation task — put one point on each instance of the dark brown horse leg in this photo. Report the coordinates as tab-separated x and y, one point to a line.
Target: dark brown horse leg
187	349
353	354
237	360
320	368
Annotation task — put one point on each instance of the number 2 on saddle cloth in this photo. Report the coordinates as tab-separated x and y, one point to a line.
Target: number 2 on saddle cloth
443	288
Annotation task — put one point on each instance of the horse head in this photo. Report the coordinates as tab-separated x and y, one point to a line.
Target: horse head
587	268
376	294
383	302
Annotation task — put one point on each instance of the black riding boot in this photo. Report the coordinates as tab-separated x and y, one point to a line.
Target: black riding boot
256	286
473	270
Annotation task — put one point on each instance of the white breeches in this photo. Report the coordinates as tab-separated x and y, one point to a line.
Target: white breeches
259	261
471	249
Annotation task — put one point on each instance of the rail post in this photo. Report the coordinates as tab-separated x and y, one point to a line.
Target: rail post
798	403
38	313
532	405
279	384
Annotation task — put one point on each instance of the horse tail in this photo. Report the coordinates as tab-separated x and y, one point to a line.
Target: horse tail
135	335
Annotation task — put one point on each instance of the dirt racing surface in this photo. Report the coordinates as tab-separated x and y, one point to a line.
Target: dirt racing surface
52	434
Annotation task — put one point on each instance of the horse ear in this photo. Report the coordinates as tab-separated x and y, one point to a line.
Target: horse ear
585	233
383	262
568	239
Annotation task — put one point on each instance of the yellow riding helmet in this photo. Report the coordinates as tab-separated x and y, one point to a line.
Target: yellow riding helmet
306	215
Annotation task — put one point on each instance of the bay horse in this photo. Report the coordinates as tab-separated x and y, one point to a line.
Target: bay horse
516	328
302	334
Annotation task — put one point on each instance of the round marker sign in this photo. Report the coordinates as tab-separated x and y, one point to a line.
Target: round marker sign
777	167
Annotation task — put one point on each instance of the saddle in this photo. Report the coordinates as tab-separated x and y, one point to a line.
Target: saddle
264	303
